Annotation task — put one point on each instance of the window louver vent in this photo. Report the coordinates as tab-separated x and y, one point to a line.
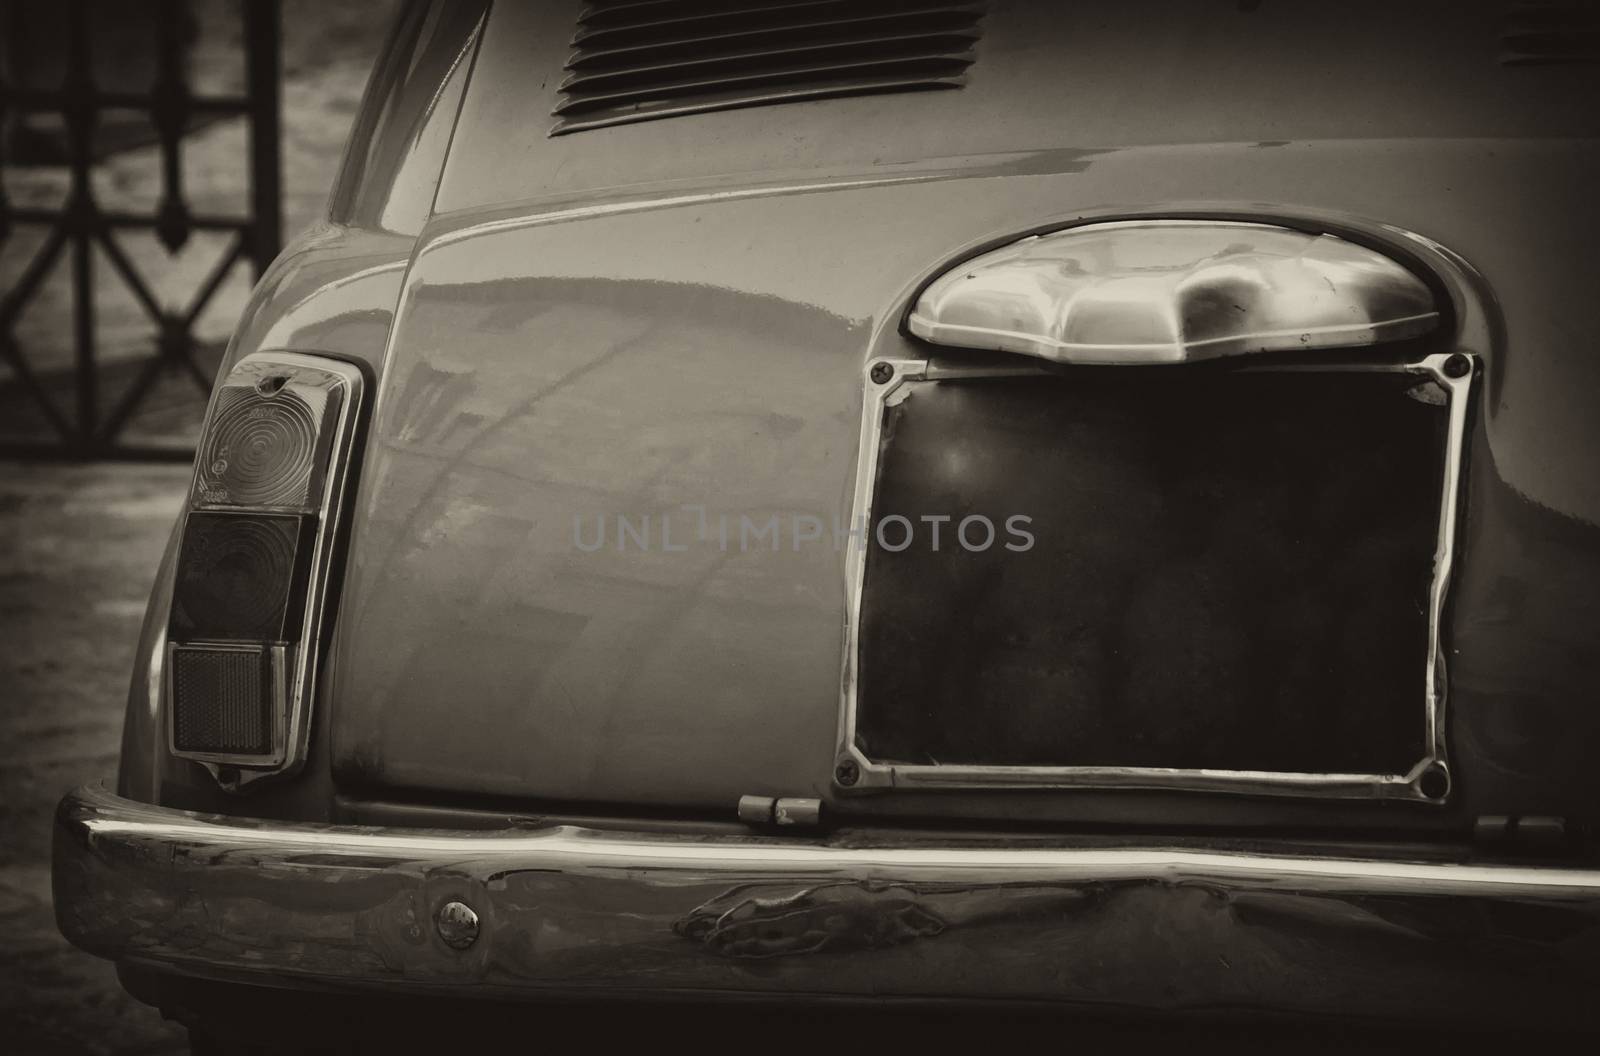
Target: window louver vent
1551	34
635	60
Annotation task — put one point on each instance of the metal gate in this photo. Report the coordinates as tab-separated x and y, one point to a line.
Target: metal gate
79	223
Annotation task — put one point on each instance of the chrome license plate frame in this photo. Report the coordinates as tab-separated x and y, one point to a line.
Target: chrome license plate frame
888	380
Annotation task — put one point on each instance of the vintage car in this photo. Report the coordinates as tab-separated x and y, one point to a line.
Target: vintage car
1079	505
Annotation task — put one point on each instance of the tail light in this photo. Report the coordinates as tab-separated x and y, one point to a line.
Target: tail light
253	565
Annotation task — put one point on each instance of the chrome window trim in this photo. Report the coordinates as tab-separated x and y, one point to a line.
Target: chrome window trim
296	661
1432	768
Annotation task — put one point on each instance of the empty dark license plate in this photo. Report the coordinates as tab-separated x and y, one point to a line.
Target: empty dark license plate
1228	570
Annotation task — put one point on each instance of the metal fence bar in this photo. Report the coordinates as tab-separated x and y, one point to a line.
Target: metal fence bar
79	224
79	113
264	77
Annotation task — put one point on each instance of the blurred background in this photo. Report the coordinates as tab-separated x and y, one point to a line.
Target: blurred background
173	145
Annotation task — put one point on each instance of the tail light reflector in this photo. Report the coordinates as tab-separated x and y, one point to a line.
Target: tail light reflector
222	698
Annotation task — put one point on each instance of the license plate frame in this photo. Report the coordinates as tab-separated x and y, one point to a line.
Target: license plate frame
887	380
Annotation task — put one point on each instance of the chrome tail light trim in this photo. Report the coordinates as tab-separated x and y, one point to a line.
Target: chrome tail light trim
296	662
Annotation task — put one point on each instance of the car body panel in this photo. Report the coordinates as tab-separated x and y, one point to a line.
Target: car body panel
658	351
1048	76
627	320
333	290
671	319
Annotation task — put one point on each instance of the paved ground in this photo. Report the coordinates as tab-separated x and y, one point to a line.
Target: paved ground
78	551
79	544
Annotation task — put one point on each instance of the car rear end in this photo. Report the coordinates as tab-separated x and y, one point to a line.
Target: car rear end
561	607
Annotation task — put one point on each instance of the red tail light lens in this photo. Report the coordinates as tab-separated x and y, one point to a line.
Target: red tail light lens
253	565
242	576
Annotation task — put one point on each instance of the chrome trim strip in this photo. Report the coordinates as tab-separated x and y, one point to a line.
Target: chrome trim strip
1427	781
859	914
101	815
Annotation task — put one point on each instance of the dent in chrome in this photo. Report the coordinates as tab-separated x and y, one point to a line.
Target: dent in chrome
1428	781
749	924
1173	291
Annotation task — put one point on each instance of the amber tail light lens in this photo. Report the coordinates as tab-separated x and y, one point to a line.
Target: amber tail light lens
267	445
251	585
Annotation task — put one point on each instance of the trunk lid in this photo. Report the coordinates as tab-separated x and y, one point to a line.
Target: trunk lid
658	361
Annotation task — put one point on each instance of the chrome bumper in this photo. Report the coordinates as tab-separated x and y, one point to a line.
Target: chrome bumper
563	910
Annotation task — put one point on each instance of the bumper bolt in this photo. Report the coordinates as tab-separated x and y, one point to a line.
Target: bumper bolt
881	373
847	773
1457	366
1434	782
457	925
